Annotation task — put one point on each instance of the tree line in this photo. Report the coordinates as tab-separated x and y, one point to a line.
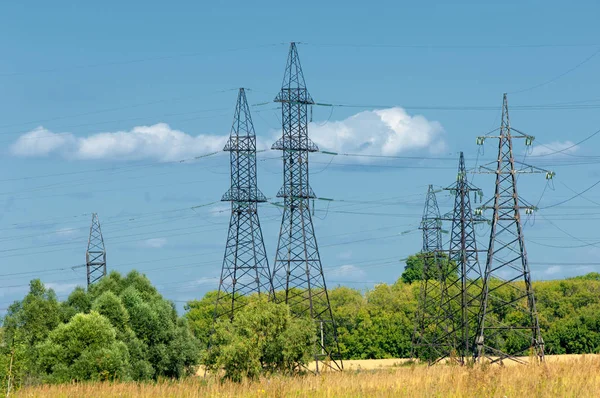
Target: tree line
123	329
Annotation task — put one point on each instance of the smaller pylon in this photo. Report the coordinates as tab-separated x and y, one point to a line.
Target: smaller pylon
462	279
429	294
245	270
95	256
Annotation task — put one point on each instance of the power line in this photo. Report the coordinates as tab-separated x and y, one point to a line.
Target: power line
536	107
450	46
586	60
572	197
567	148
140	60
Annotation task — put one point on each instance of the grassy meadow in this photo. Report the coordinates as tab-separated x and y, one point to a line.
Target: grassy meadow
560	376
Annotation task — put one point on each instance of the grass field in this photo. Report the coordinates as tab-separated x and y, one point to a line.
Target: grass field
560	376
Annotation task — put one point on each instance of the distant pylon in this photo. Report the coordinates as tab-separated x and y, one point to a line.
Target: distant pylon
298	278
507	266
462	281
429	295
95	256
245	267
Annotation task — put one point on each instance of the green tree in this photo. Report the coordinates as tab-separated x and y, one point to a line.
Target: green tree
111	306
413	271
78	301
262	338
160	344
85	348
27	323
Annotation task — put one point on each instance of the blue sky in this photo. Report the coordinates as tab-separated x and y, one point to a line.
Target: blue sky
100	102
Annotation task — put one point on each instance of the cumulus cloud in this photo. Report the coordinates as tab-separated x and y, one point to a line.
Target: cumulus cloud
158	141
347	271
562	148
41	142
380	132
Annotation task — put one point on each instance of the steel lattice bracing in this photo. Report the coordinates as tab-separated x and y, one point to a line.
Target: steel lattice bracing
462	281
298	278
245	267
95	256
507	289
429	295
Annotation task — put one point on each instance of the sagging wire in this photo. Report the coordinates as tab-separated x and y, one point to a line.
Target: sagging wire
326	210
578	194
531	217
265	120
480	151
324	168
326	121
582	197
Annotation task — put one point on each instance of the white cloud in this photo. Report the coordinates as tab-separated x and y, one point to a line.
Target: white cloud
41	142
158	141
380	132
348	271
562	148
154	243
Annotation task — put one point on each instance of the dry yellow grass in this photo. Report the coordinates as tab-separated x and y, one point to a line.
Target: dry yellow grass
572	376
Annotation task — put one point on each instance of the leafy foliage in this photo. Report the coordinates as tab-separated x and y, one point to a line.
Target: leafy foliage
28	323
378	323
262	338
85	348
439	264
121	328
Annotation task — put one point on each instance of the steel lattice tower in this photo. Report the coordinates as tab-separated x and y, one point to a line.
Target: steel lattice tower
298	278
95	256
429	295
461	281
245	267
506	264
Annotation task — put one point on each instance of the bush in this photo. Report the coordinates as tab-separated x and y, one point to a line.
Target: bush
262	338
86	348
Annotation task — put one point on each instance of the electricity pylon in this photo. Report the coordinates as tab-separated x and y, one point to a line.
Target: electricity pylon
507	290
95	256
245	267
429	295
298	278
461	281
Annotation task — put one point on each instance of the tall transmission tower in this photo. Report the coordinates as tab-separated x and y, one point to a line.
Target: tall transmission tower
507	290
95	256
245	267
462	280
429	295
298	278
